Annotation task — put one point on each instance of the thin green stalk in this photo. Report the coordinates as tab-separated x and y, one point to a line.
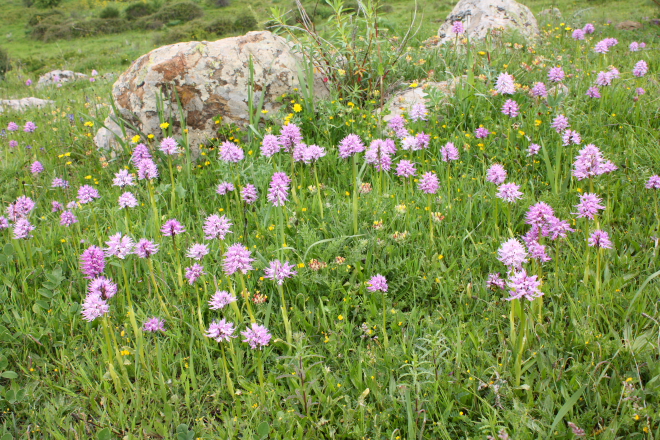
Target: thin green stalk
318	192
386	341
173	200
285	316
355	194
230	383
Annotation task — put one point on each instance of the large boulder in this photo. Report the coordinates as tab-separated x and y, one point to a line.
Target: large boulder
23	104
59	76
481	16
208	79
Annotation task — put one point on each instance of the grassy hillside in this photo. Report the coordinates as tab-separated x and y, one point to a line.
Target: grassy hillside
114	52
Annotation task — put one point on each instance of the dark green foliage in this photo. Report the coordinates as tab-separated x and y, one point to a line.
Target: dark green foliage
245	22
139	9
58	27
182	11
37	18
109	12
220	3
5	65
47	3
220	26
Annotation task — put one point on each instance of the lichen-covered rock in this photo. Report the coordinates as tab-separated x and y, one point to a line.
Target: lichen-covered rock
629	25
481	16
59	76
22	104
208	79
401	103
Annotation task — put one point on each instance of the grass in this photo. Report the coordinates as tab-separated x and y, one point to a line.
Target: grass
439	355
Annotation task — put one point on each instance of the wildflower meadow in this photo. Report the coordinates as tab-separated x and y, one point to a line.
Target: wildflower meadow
483	265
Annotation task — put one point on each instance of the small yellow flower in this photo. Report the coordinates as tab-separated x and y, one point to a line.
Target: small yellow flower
264	111
414	85
301	265
89	124
136	138
341	72
341	318
297	108
538	122
164	125
150	136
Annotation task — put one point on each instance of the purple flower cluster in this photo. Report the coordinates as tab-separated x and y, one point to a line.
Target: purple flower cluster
154	325
510	108
221	331
405	169
512	254
127	200
230	152
505	84
509	192
87	193
122	178
145	248
216	226
249	194
290	136
270	145
237	258
92	262
350	145
224	188
169	146
278	192
377	283
221	299
429	183
380	154
449	152
496	174
257	336
600	239
278	271
172	228
590	163
120	246
589	206
522	285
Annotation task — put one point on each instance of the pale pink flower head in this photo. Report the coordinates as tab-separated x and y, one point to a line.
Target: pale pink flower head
127	200
510	108
169	146
533	149
221	299
22	229
640	69
249	194
539	90
600	239
225	188
172	228
237	258
405	169
525	286
313	153
278	271
154	325
92	262
123	178
449	152
230	152
601	47
512	254
221	331
197	251
350	145
146	248
481	133
589	28
418	112
147	169
653	182
87	193
505	84
29	127
257	336
590	163
377	283
457	27
217	226
278	192
560	123
140	153
496	174
103	287
578	34
120	246
21	208
36	167
429	183
94	307
194	272
593	92
571	137
634	46
67	218
589	206
509	192
556	74
12	126
270	145
290	136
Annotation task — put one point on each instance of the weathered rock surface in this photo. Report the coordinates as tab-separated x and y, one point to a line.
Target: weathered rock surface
59	76
629	25
481	16
210	79
554	12
402	102
23	104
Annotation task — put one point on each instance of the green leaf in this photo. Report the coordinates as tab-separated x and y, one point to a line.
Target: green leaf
182	433
263	429
180	191
7	437
9	249
104	434
9	375
565	409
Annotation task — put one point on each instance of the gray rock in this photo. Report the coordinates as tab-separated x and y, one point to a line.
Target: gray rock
59	76
554	12
402	102
22	104
481	16
210	79
629	25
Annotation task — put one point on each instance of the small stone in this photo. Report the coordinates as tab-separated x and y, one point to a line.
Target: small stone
20	105
629	25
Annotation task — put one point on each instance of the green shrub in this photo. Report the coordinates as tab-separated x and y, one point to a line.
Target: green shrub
245	22
37	18
220	3
219	26
5	65
140	9
44	4
183	11
109	12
